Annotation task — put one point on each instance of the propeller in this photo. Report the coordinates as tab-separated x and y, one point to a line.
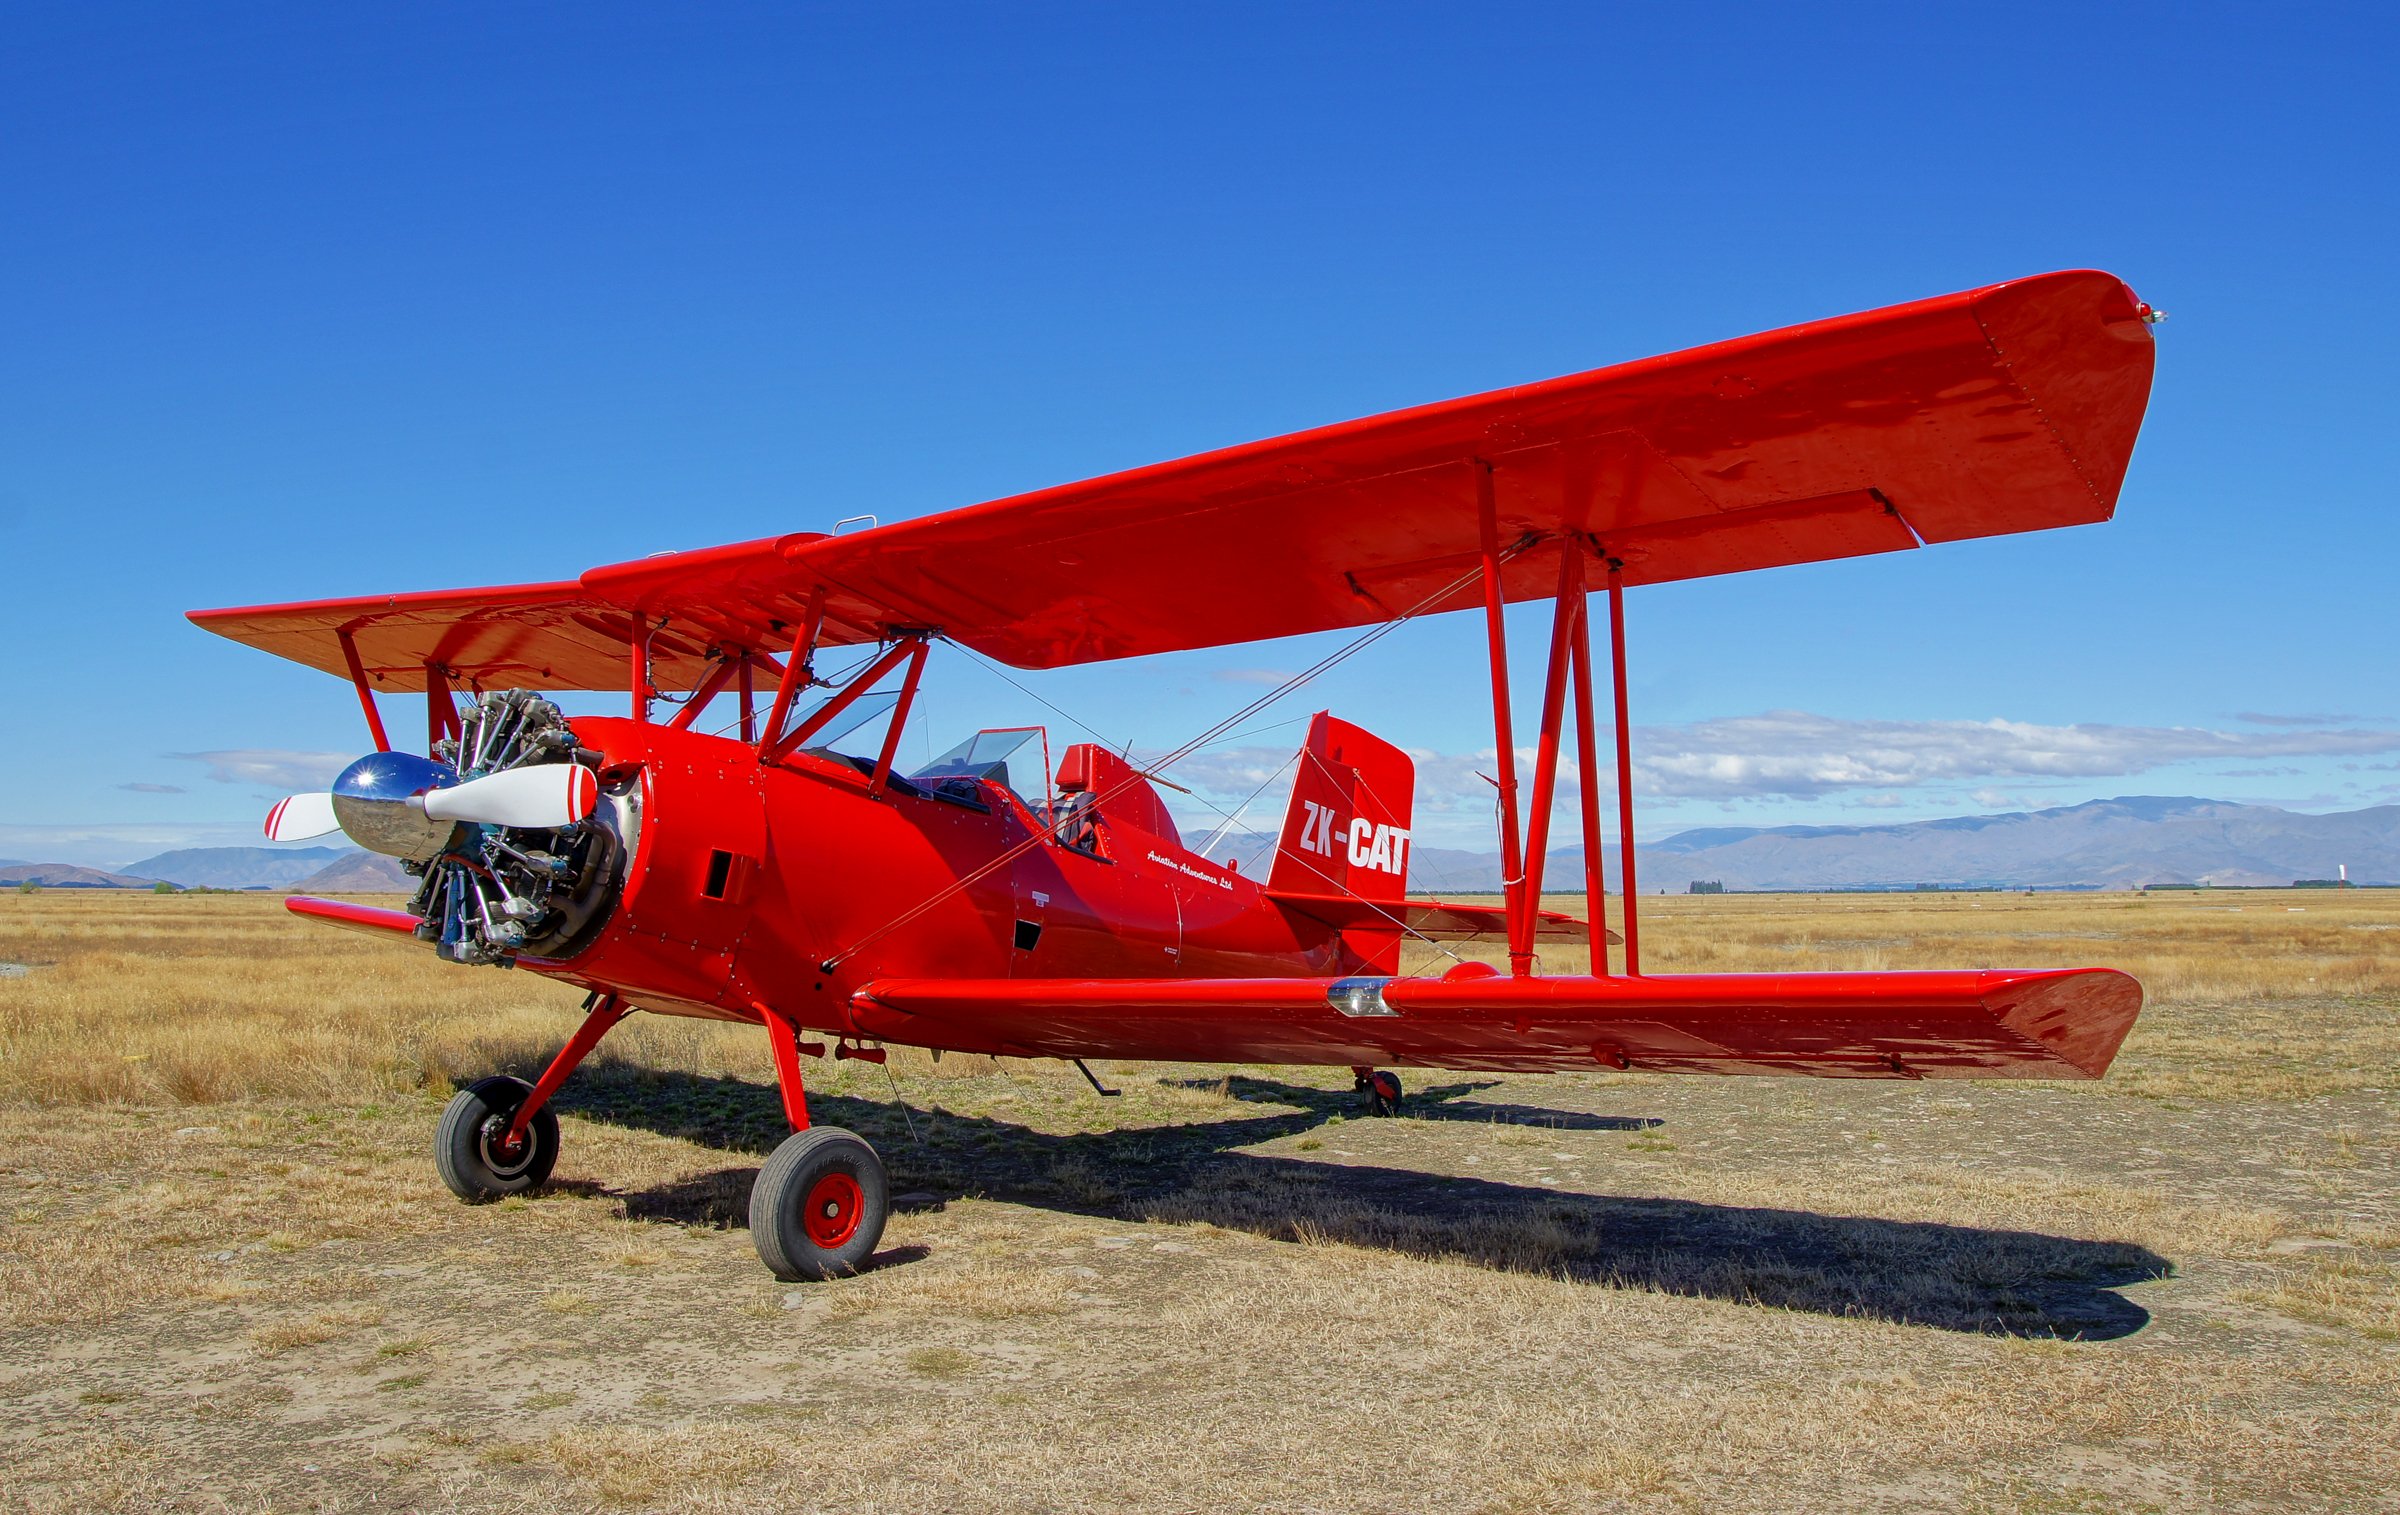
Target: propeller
546	795
298	817
541	796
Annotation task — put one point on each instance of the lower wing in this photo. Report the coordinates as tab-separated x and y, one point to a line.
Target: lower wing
356	917
2054	1023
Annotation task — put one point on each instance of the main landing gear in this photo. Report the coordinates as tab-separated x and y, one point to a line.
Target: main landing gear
818	1207
1381	1088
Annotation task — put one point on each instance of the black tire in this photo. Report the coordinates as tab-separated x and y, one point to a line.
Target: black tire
819	1205
1383	1093
466	1145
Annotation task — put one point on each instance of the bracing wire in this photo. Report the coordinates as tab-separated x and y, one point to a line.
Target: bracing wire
1227	818
1296	681
1226	824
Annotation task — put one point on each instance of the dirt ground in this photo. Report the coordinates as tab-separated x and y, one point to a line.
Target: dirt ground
2175	1289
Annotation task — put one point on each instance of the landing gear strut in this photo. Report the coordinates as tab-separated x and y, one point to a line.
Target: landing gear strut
1382	1090
818	1207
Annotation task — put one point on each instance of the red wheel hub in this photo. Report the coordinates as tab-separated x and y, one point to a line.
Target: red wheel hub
832	1209
497	1142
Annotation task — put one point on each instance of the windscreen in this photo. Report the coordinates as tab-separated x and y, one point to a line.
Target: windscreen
1013	757
859	730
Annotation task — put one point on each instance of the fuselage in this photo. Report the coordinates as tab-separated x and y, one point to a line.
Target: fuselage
751	887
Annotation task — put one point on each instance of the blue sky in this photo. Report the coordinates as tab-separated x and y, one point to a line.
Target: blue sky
303	301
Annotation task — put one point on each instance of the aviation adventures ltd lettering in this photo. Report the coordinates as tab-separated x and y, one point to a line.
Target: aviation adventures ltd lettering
1190	871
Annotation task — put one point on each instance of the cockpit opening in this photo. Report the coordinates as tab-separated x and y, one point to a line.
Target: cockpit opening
1002	755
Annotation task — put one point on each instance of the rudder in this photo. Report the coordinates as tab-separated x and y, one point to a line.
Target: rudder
1347	831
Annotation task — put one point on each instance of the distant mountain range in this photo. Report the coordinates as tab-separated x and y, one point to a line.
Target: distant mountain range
357	872
236	867
298	870
68	876
2102	844
2117	843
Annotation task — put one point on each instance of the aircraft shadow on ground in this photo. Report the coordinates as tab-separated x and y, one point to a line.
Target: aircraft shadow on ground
1951	1277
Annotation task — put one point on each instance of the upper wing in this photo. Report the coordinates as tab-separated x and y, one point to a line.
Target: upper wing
2002	409
2061	1023
543	636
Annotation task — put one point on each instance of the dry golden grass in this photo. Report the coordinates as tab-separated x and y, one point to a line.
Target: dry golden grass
2347	1290
228	1280
198	999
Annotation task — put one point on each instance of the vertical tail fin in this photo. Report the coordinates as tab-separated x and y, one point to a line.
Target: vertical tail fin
1347	831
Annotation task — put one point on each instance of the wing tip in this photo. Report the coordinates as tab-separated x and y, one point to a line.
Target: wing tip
2081	1016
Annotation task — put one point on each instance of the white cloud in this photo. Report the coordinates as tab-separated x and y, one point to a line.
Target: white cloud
1793	754
2259	718
154	788
271	767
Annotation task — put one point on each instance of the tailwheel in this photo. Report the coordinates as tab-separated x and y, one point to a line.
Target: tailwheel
819	1205
471	1149
1382	1090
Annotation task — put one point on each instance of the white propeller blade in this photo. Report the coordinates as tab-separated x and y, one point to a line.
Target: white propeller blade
545	795
300	817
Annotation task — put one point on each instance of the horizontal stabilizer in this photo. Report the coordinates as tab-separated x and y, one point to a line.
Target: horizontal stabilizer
1438	920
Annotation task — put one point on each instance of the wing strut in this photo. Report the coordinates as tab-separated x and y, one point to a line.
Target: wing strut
799	671
366	696
1504	738
1616	659
910	649
1566	621
1587	763
891	735
1567	681
441	711
637	645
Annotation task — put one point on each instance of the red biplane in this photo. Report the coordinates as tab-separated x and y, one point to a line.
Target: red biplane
982	905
